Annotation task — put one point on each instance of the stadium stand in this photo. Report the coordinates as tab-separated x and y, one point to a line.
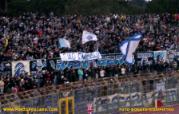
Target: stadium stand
31	37
34	40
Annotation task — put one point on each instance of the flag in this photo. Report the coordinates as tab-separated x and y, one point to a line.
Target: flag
87	36
64	43
129	46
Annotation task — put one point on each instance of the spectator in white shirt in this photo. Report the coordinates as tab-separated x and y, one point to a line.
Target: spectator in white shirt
123	70
102	73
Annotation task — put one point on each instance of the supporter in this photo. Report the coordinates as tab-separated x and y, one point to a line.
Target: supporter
80	74
48	78
102	73
56	78
177	61
123	70
8	85
38	79
1	86
96	73
15	89
86	74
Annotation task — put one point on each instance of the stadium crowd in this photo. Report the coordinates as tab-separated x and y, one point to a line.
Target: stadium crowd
31	36
9	84
34	37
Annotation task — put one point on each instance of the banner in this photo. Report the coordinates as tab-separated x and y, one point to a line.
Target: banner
5	67
144	58
144	55
79	56
86	60
112	56
109	62
160	55
38	64
60	65
171	55
20	67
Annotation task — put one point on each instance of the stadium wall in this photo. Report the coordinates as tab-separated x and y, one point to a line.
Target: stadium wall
106	95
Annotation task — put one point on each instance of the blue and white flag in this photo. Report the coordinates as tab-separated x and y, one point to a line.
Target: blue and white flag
129	46
64	43
87	36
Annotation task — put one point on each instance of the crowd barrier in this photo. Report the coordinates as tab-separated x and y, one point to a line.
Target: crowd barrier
106	95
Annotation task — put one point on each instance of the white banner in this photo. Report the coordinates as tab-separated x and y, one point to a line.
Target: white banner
79	56
20	67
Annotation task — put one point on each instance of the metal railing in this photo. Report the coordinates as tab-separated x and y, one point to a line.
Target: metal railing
106	95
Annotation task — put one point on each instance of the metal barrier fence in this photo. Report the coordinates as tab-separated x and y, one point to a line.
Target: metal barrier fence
106	95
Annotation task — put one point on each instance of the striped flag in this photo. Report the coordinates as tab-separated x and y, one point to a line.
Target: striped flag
129	46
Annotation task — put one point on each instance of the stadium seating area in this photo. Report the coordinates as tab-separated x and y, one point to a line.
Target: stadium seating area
31	36
34	37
